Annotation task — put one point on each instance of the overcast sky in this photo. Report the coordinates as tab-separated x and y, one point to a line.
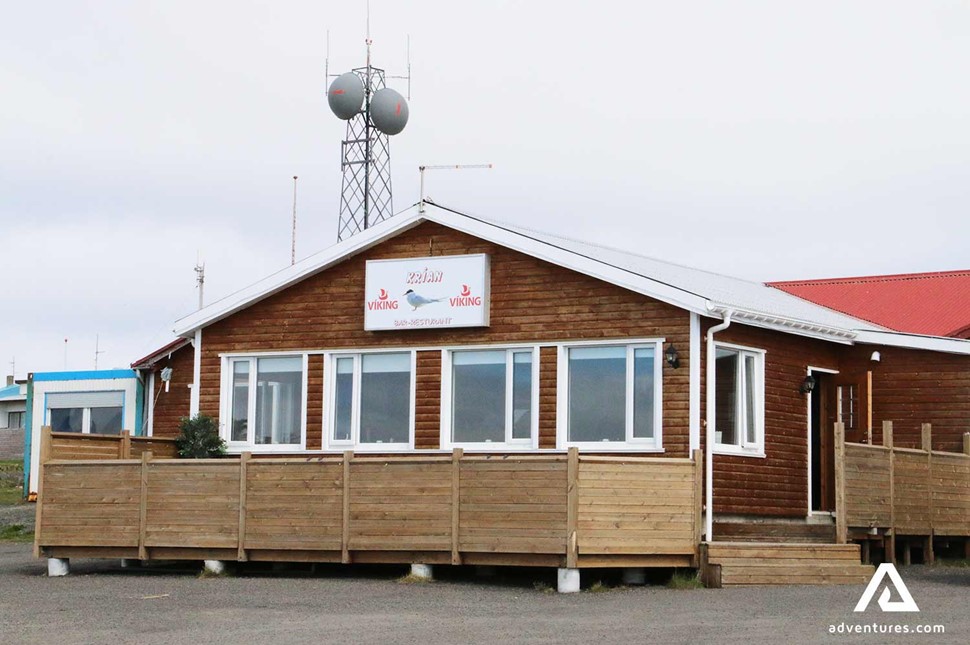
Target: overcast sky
761	139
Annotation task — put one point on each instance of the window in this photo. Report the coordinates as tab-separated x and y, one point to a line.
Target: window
86	412
611	396
266	402
490	398
371	401
739	400
15	419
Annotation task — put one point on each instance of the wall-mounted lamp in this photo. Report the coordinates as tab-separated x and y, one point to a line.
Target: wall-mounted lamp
166	377
807	385
671	356
876	357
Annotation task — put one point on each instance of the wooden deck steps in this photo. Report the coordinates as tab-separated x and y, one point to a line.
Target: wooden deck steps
749	563
794	532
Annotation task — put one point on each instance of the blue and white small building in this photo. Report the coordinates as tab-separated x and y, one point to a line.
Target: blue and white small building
87	402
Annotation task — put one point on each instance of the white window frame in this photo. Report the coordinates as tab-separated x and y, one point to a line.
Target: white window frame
330	408
630	444
447	396
744	448
225	404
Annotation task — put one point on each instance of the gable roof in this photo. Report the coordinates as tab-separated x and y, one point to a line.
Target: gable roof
702	292
936	304
160	353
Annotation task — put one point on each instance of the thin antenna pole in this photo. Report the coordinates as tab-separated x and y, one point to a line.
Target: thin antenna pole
326	64
97	351
293	244
65	354
13	368
200	280
409	67
421	169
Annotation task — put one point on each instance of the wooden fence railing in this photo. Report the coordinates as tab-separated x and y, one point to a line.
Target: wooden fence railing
542	510
72	445
890	491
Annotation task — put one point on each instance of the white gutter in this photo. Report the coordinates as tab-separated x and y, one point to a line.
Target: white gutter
709	436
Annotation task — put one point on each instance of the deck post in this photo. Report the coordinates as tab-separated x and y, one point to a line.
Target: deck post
572	510
567	580
926	440
456	456
841	530
143	506
345	525
45	455
966	443
698	456
890	540
57	567
124	446
243	474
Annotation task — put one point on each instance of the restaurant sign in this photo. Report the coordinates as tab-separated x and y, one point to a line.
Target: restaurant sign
427	293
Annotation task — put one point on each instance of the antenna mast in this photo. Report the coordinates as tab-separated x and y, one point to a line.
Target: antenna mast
200	279
373	113
293	244
97	352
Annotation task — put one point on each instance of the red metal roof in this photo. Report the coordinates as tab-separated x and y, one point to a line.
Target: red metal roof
159	353
935	304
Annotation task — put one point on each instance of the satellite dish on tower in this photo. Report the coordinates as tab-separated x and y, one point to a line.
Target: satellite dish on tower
346	96
389	111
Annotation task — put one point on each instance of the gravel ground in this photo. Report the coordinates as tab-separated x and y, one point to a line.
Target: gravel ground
18	514
102	603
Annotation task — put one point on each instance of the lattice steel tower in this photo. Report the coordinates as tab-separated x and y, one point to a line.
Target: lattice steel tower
373	112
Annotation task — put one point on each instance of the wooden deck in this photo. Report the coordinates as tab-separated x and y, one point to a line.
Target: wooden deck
559	509
747	563
886	494
72	445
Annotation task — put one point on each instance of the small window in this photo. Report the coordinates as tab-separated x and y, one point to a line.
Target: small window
612	396
266	397
371	401
86	412
490	399
15	419
738	400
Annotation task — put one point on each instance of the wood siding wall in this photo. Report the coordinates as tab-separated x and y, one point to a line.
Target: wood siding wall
911	387
776	485
531	301
171	406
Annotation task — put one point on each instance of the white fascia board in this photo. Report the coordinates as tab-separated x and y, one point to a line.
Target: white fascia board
285	277
915	341
570	260
787	325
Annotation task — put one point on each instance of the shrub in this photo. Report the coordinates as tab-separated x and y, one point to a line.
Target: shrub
199	438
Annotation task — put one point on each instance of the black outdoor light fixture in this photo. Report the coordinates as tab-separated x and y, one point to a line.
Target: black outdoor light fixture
671	356
807	385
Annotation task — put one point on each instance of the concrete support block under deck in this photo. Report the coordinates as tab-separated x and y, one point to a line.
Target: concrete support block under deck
635	576
568	581
58	567
215	567
422	571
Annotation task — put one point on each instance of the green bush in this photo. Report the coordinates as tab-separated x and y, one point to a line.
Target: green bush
199	438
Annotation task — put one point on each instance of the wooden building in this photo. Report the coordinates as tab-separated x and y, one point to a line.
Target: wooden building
450	389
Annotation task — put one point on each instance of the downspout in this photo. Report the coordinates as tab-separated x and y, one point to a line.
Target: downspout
709	435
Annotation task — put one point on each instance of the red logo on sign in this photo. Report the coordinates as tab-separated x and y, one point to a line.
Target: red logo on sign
383	295
465	291
465	298
383	302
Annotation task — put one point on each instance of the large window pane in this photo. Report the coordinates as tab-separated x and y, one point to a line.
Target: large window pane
726	396
344	403
522	395
67	419
478	396
240	400
750	427
279	400
385	398
597	394
106	420
643	389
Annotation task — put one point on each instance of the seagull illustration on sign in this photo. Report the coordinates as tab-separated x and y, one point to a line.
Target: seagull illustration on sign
417	301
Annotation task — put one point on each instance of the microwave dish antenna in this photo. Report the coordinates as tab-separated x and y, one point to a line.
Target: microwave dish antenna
374	113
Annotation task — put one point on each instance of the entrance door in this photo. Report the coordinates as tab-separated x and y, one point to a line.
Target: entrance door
852	405
822	439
